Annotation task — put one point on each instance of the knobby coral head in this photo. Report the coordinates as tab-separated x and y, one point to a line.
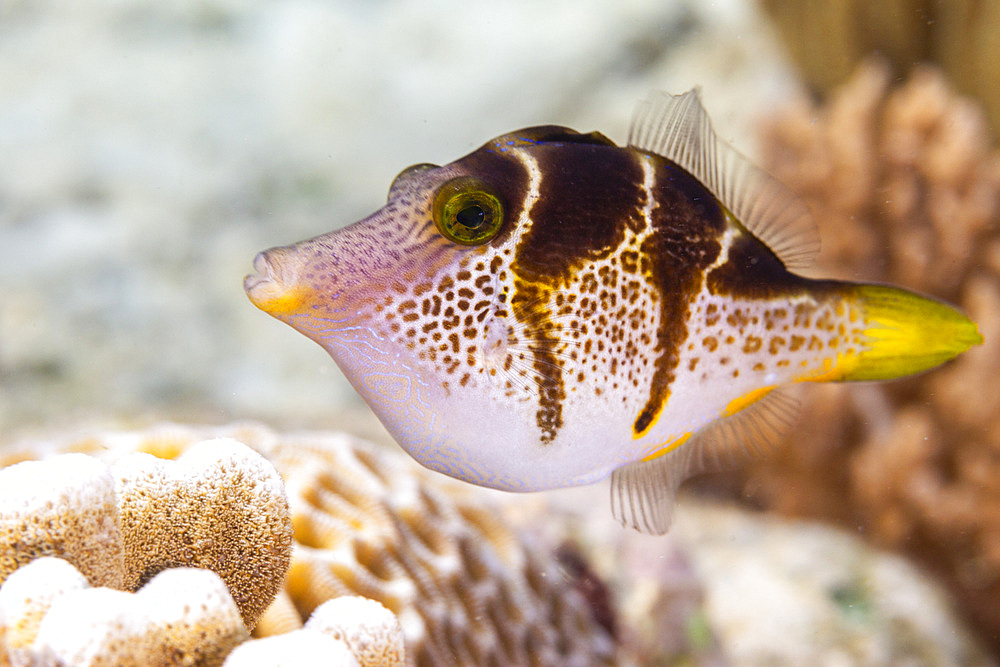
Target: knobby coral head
221	506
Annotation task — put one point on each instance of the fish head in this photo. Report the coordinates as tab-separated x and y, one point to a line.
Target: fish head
413	303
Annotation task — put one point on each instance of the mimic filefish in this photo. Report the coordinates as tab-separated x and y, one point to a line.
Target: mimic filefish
554	308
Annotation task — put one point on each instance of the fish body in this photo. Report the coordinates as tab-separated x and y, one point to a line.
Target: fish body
553	308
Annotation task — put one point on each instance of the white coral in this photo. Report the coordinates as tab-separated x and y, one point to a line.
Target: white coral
299	648
63	507
221	506
372	631
182	616
25	598
463	585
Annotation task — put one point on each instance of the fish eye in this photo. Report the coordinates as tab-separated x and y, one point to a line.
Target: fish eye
467	211
412	170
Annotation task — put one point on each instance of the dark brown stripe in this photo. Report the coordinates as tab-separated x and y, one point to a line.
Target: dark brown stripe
687	227
589	194
752	271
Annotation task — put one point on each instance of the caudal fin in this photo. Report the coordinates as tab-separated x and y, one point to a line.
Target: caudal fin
906	333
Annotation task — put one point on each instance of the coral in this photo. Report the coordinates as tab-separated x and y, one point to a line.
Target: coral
371	631
349	631
64	507
219	506
466	584
466	587
299	648
182	616
907	190
280	617
26	596
828	38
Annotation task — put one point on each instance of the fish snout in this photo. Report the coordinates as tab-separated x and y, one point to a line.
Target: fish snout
273	287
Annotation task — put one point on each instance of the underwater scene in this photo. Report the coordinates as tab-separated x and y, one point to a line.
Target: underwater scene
336	332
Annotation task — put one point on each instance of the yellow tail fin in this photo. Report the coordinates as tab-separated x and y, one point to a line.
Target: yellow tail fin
906	333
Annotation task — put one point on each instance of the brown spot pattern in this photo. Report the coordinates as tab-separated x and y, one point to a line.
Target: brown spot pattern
589	195
568	302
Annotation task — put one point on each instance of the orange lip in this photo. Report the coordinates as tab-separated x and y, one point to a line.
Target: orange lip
271	291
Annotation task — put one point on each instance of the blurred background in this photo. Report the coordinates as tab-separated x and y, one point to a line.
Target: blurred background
149	150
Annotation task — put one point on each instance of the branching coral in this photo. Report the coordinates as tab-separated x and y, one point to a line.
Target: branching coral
906	189
828	38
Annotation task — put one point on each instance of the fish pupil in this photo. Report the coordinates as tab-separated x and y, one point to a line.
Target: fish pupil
472	216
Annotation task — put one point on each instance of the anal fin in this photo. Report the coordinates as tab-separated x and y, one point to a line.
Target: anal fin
643	493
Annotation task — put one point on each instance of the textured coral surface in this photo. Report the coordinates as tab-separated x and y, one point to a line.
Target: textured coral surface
221	507
65	507
456	584
465	587
906	189
371	631
183	616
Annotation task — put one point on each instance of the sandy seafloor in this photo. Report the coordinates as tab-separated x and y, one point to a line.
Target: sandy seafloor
148	151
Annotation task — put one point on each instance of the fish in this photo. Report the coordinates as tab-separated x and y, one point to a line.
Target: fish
554	309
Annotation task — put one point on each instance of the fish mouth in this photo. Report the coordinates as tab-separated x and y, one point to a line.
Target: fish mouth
271	288
263	274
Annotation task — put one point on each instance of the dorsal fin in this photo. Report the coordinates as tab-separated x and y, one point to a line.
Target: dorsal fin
678	128
643	493
543	134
